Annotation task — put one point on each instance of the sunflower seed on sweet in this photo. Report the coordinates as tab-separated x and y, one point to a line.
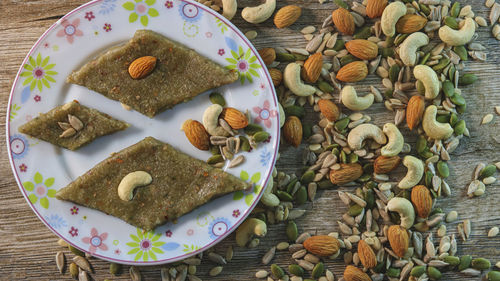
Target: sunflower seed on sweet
266	259
68	133
76	123
63	125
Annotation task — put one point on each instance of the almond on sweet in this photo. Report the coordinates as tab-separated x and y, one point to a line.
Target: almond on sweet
196	134
343	21
142	67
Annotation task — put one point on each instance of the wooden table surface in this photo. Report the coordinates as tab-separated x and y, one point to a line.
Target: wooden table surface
27	247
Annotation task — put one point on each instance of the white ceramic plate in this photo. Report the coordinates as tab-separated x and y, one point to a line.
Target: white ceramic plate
41	168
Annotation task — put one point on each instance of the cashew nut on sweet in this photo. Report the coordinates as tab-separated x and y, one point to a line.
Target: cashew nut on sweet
360	133
211	119
291	77
395	143
229	8
351	100
392	13
415	172
248	229
409	47
405	210
429	79
259	13
459	37
130	182
434	129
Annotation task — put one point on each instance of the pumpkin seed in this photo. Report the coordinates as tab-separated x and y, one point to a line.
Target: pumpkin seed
455	9
493	276
301	196
339	45
443	169
451	22
318	270
277	271
341	3
393	272
459	128
325	87
214	159
465	262
418	271
452	260
217	98
291	231
363	33
480	264
295	110
467	79
260	136
448	88
307	177
245	144
434	273
285	57
487	171
251	129
296	270
216	258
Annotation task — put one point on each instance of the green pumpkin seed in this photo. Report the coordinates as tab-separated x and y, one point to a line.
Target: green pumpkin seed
425	9
300	57
318	270
389	41
393	272
443	118
467	79
325	87
245	144
251	129
285	57
421	144
277	271
295	110
306	130
425	58
341	3
364	178
341	124
363	33
481	264
355	210
343	157
214	150
453	119
428	179
437	210
114	268
400	38
386	52
461	109
214	159
370	198
465	262
296	270
291	231
217	98
461	52
307	177
451	22
352	158
347	59
76	251
284	196
260	136
394	72
301	195
339	45
442	64
487	171
291	185
455	9
417	271
459	128
457	99
451	72
324	184
443	170
494	275
434	273
448	88
452	260
379	267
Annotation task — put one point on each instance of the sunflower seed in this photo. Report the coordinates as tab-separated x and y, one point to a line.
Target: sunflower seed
216	258
460	230
303	237
135	274
75	122
311	258
60	260
493	232
489	3
83	276
314	44
165	276
192	277
181	276
82	263
327	21
215	271
299	254
357	200
487	118
305	264
429	246
192	261
467	228
471	272
295	247
236	161
261	274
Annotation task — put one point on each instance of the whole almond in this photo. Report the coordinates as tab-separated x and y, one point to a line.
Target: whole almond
415	111
312	68
410	23
292	130
196	134
343	21
398	239
347	173
366	255
268	55
276	76
422	200
352	273
322	245
142	67
353	72
329	109
235	118
287	15
384	164
375	8
362	49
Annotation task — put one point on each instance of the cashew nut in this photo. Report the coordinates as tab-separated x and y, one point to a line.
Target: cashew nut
291	77
268	198
259	13
434	129
249	228
405	210
409	47
229	8
360	133
130	182
395	143
429	78
281	112
351	100
415	172
459	37
211	119
390	17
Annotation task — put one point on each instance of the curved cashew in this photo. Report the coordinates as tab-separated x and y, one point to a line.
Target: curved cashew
249	228
351	100
409	47
211	119
395	143
360	133
405	210
434	129
429	78
229	8
291	77
459	37
130	182
259	13
281	112
415	172
390	17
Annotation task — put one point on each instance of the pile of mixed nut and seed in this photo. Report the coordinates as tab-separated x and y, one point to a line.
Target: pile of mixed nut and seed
392	229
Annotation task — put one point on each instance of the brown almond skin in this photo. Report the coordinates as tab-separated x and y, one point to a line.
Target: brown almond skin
398	239
422	200
268	55
292	131
384	164
287	15
329	109
375	8
276	76
235	118
410	23
352	273
366	255
353	72
142	67
322	245
312	68
415	111
343	21
362	49
347	173
196	134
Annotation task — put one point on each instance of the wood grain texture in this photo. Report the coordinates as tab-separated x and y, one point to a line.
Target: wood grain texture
27	247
